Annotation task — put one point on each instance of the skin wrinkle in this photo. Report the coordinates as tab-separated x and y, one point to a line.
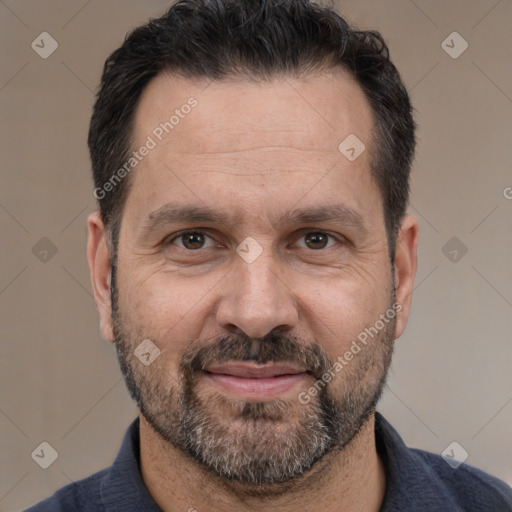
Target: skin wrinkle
200	446
258	149
357	256
209	164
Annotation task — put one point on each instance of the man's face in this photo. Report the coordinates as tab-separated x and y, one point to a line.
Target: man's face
292	299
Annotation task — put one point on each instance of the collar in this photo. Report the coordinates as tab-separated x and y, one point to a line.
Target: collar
123	490
410	481
408	478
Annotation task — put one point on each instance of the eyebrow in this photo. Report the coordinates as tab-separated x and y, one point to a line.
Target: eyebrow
172	213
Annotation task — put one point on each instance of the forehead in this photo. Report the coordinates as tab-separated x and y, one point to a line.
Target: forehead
314	112
247	143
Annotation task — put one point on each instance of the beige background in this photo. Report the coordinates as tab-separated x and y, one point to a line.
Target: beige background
60	383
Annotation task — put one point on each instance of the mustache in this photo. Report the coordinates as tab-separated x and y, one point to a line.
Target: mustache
273	348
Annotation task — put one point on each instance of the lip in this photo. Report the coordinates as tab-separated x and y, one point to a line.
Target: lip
255	381
252	371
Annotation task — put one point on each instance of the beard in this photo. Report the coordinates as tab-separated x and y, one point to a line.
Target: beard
262	446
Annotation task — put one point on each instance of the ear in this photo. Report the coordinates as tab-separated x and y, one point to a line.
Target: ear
406	264
99	266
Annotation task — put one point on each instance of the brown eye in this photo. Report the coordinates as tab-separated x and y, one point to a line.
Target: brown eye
316	240
191	240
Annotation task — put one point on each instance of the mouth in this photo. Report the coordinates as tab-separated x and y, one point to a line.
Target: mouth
255	381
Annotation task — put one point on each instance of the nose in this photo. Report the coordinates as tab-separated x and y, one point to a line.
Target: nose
256	299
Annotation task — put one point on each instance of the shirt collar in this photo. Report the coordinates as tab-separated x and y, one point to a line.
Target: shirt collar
123	489
410	483
408	478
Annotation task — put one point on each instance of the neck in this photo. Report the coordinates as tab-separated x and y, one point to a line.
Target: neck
352	479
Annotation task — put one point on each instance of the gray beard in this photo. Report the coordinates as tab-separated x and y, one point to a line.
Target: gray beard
269	443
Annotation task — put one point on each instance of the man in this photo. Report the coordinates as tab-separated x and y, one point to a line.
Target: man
253	263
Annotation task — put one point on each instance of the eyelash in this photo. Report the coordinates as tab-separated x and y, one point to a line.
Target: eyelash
168	241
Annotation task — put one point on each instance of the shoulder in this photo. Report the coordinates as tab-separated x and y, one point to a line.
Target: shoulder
423	481
81	496
469	487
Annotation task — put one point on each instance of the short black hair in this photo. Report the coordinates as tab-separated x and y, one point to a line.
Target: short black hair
260	39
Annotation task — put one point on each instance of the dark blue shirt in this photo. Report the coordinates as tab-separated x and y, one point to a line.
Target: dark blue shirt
416	481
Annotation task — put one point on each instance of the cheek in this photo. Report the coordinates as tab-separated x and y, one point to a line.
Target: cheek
163	308
339	311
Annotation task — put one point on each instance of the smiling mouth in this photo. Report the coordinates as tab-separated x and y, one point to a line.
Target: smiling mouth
255	381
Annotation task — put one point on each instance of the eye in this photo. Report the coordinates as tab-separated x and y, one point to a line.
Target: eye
194	240
317	240
191	240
